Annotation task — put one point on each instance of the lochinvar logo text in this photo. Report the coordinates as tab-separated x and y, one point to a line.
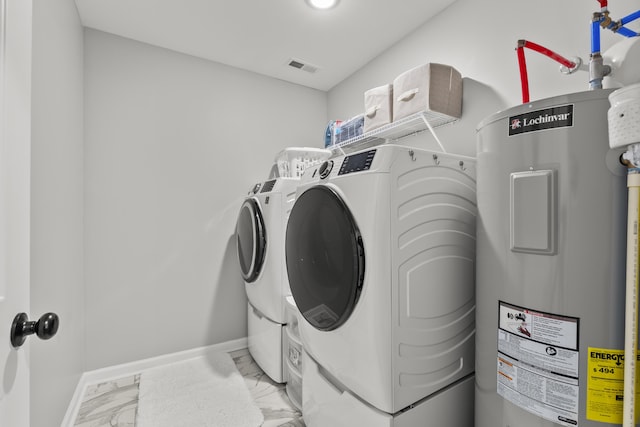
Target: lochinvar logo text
549	118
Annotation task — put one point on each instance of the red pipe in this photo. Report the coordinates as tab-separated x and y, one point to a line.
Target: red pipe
524	81
603	3
523	66
551	54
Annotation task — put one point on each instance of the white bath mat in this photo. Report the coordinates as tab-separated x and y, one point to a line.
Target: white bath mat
202	392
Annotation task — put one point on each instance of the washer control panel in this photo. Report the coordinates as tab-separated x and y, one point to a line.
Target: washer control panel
325	169
357	162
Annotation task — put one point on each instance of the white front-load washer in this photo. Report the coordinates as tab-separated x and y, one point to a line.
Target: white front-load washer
260	234
380	253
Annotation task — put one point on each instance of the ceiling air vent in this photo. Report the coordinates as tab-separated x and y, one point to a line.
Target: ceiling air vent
300	65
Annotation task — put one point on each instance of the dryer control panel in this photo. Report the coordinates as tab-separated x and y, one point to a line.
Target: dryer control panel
357	162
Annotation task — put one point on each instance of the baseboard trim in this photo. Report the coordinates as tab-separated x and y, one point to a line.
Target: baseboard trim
118	371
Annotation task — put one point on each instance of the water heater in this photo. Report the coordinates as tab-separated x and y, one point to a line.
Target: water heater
550	269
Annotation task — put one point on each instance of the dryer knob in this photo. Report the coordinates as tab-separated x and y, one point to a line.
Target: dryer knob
325	169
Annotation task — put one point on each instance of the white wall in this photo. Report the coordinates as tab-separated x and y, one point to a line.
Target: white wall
479	39
173	143
56	206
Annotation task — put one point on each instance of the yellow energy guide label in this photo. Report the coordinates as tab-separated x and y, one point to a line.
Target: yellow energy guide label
605	385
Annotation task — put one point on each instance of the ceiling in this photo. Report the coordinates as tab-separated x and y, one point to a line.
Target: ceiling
264	35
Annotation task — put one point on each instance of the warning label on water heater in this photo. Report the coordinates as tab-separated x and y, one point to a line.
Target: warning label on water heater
537	362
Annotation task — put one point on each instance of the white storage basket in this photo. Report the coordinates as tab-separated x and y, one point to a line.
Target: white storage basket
293	161
432	87
378	107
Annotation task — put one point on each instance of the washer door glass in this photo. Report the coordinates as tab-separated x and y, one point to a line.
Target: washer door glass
325	258
251	240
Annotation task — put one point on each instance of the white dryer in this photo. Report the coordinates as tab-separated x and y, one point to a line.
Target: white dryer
260	232
380	252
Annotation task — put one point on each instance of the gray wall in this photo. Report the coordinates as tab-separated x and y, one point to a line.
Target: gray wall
172	144
56	207
479	39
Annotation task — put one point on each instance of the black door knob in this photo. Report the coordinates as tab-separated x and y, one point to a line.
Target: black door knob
44	328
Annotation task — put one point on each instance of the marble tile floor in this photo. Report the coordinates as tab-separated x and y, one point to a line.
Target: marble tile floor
114	403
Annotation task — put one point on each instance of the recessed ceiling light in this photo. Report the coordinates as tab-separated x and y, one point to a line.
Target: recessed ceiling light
322	4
